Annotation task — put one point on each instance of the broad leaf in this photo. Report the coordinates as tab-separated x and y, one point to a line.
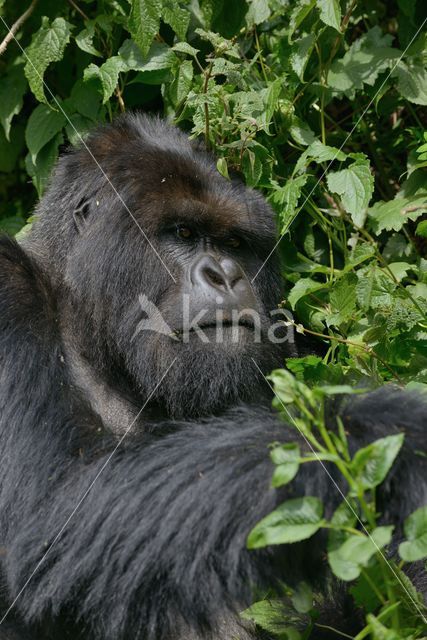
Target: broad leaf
372	463
273	616
107	74
367	57
258	12
286	458
355	186
43	125
348	560
293	521
395	213
330	13
177	17
415	527
303	287
412	83
47	45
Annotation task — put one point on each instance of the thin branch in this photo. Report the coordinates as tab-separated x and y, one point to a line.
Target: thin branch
16	26
77	8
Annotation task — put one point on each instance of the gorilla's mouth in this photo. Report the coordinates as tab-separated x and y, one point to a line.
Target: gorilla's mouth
217	325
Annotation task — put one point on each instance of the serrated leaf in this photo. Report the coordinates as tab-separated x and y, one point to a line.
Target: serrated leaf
415	527
319	152
301	52
371	464
292	521
47	45
367	57
342	300
286	458
412	82
330	13
286	199
273	616
144	22
303	287
392	215
348	560
12	89
107	74
176	17
184	47
355	186
43	125
221	165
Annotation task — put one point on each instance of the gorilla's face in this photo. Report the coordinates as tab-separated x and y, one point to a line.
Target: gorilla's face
172	272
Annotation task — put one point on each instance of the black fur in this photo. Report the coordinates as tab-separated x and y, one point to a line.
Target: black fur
156	548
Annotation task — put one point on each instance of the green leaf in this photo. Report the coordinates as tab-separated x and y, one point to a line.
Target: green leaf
47	45
177	17
286	458
43	125
160	56
273	616
392	215
12	89
367	57
415	527
84	39
421	229
286	200
372	463
412	83
348	560
302	598
259	11
301	132
318	152
107	74
303	287
181	85
342	300
46	158
330	13
301	53
294	520
184	47
355	186
221	165
85	99
299	12
144	22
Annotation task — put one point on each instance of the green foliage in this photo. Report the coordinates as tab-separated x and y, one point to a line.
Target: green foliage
319	104
357	546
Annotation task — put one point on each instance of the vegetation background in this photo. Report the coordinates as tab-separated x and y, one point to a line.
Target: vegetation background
321	105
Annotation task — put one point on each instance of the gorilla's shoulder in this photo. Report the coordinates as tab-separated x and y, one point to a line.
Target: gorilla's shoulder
26	300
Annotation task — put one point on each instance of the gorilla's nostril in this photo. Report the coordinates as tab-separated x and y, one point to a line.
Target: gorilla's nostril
215	277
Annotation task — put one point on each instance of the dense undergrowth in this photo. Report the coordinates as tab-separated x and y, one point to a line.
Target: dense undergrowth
321	105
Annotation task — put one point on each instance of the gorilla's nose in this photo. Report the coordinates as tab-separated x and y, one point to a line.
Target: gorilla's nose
211	276
222	275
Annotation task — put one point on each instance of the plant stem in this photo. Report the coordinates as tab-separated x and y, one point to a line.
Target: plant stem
16	26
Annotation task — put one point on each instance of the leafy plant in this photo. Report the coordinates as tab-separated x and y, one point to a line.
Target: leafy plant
356	543
321	105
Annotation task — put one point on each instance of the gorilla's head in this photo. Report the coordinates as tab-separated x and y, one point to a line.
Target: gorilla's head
153	254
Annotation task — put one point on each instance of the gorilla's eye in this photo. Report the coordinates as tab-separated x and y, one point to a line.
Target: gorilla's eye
184	232
234	242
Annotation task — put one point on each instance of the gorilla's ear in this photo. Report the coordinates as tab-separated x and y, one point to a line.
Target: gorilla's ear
81	214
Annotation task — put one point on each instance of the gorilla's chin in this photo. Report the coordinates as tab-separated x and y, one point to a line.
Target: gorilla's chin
204	378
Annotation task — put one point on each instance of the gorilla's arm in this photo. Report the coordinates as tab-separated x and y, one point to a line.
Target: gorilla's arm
158	543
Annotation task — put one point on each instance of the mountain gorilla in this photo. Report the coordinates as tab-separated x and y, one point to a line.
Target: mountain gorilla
134	447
